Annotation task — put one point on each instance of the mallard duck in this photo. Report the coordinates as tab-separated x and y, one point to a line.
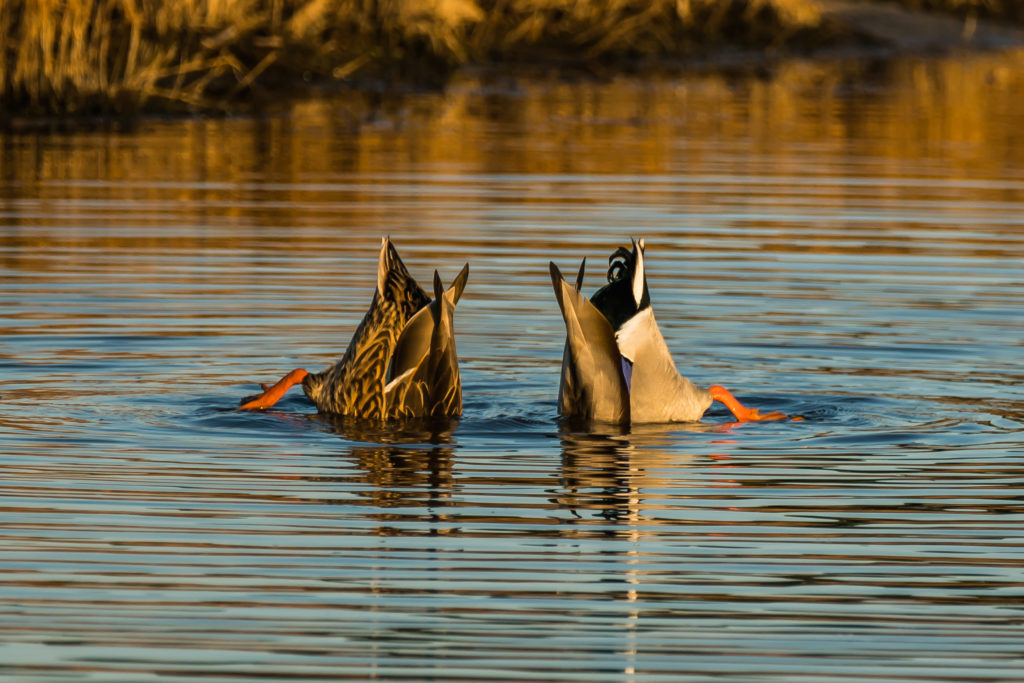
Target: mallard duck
616	366
401	362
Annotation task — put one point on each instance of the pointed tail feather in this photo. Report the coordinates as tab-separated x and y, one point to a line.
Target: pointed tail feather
395	283
458	285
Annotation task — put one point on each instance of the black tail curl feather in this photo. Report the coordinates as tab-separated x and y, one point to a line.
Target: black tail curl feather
621	264
615	300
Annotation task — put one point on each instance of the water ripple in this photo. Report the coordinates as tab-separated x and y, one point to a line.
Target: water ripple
810	246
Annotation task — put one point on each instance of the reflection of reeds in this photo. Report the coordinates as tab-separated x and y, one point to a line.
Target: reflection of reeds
75	56
954	117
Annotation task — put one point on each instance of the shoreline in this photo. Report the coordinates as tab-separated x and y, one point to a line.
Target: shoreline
847	30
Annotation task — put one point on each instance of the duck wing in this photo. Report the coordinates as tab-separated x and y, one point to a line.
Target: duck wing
354	386
423	377
594	384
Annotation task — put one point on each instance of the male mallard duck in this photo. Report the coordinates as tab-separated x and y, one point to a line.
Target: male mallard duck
616	366
401	362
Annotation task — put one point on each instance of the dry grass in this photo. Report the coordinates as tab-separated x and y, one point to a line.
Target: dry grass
120	56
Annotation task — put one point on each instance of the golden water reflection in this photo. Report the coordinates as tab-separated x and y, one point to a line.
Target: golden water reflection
962	111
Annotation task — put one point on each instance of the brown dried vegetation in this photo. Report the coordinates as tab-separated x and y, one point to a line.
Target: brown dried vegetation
120	56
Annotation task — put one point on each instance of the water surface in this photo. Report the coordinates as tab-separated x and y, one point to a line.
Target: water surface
843	243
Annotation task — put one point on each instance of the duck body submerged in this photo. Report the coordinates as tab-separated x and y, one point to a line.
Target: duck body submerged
401	361
616	366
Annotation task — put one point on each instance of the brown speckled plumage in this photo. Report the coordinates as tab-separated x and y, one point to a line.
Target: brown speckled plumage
401	361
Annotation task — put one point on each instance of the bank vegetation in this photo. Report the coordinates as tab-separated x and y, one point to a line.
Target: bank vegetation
119	57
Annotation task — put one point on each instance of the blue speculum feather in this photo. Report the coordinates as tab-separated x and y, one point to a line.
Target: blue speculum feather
627	372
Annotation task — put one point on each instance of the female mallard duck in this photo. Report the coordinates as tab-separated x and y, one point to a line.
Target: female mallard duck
401	362
616	366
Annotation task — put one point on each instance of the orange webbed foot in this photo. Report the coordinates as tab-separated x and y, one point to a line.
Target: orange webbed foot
742	413
272	395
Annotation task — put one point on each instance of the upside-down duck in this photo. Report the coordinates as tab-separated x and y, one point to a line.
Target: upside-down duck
616	366
401	362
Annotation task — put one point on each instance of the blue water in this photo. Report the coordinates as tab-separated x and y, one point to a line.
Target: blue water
811	245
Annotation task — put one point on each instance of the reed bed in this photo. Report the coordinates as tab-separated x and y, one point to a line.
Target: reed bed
113	57
117	57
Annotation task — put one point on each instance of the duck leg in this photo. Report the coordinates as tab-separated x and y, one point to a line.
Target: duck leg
273	394
742	413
